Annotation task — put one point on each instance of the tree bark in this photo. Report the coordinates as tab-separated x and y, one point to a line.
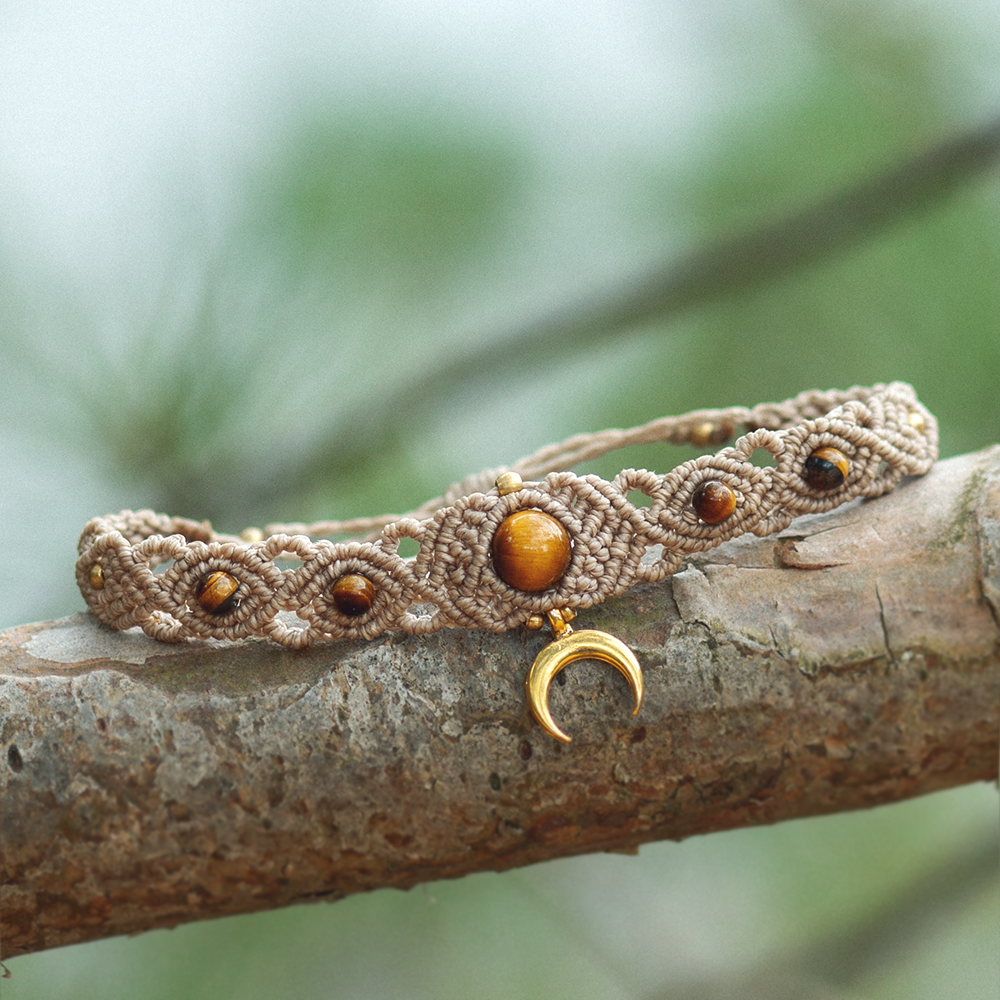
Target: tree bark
850	660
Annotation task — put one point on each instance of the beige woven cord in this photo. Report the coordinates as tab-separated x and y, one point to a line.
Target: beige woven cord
882	432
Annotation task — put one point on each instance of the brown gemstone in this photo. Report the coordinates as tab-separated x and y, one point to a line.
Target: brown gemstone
713	501
216	594
353	595
826	469
531	550
96	576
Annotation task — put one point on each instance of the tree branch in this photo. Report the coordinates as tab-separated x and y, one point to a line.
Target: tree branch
851	660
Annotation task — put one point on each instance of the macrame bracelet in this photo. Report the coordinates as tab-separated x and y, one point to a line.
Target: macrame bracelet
498	551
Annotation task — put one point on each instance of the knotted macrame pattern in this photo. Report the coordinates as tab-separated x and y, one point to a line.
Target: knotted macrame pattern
150	566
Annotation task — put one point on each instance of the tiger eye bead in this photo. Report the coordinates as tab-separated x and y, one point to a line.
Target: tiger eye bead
531	550
826	469
95	577
353	595
215	594
713	501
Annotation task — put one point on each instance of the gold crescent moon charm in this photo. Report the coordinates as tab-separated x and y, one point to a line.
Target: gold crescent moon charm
566	648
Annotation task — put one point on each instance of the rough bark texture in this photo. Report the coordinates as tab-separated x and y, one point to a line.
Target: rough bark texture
851	660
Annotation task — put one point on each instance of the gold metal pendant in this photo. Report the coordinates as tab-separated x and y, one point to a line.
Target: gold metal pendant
566	647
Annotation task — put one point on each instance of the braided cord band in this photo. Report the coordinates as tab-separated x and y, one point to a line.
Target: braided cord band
178	579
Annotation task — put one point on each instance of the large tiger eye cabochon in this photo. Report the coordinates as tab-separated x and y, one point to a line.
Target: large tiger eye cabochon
531	550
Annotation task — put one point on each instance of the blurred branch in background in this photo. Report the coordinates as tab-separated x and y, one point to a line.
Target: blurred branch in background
850	959
763	254
855	954
313	347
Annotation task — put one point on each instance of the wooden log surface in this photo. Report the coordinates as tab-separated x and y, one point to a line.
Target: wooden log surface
847	661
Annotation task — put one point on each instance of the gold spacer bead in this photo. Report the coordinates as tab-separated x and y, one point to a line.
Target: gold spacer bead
95	576
534	622
509	482
701	434
916	421
252	535
559	622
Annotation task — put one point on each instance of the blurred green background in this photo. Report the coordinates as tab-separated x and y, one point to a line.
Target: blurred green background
284	261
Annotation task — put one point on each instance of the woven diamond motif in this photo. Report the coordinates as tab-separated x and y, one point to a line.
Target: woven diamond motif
877	436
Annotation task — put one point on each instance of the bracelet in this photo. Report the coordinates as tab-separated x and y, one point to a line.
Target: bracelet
504	549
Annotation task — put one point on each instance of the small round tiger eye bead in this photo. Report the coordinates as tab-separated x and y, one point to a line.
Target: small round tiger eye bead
353	595
713	501
826	469
95	576
216	592
531	550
